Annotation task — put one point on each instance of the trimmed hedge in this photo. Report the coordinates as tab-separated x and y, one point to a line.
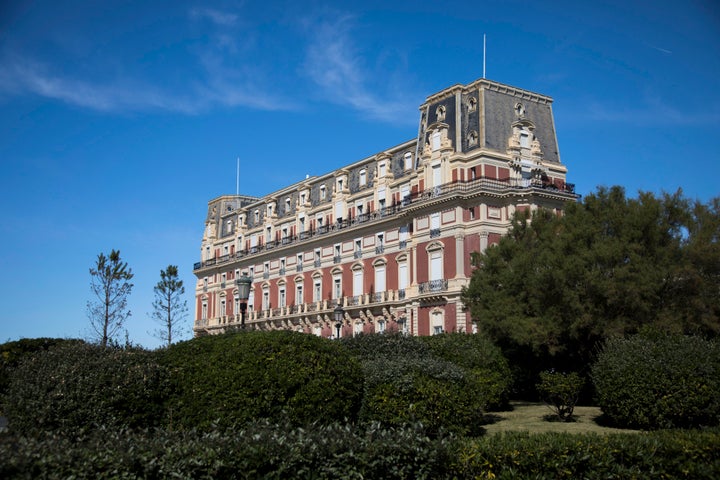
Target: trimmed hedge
692	454
406	384
659	381
231	379
487	368
75	387
269	451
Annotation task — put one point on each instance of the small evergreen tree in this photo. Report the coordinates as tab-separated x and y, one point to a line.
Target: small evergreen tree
169	308
110	283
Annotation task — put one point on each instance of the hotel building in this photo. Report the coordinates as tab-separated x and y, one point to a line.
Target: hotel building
388	237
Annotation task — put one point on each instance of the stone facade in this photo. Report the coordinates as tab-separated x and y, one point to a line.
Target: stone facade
388	237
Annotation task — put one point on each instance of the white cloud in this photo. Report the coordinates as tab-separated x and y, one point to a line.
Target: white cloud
224	19
333	62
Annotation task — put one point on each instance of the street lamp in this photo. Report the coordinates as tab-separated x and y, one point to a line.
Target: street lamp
338	313
243	283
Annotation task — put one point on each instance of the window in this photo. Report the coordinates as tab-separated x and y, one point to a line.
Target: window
281	296
223	308
340	184
379	243
435	140
317	290
337	286
318	259
380	326
299	300
357	282
302	199
402	274
266	298
282	266
407	161
436	175
257	216
437	323
358	248
471	211
204	311
323	192
302	223
381	169
270	210
435	225
381	198
436	266
524	139
268	234
299	260
380	278
287	204
363	177
251	300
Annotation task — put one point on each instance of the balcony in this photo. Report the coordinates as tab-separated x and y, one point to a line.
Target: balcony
358	254
434	232
336	259
317	263
402	245
299	267
415	200
433	286
379	249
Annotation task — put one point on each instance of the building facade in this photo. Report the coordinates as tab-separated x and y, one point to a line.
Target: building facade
388	237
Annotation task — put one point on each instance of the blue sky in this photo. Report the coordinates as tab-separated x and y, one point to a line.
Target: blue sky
119	120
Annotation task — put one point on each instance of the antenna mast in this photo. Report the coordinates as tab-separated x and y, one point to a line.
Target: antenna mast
483	55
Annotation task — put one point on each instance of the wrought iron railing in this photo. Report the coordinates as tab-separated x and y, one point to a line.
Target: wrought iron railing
450	189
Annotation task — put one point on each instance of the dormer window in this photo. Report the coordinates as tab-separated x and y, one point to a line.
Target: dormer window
440	113
363	177
435	140
407	161
382	168
472	104
269	210
322	192
340	184
287	204
257	216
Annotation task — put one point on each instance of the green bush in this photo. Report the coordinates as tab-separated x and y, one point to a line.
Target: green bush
231	379
487	369
560	391
12	352
75	387
261	450
406	384
659	381
691	454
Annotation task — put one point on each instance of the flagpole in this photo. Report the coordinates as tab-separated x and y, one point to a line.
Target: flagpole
237	179
483	55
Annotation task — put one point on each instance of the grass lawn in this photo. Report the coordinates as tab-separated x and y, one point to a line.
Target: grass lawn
530	417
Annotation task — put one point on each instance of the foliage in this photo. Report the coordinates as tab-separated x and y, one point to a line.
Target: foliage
483	362
261	450
264	450
556	286
560	391
11	353
169	308
669	454
659	381
228	380
406	384
110	284
76	387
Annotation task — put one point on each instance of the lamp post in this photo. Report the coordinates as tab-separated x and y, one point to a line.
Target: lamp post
243	283
338	313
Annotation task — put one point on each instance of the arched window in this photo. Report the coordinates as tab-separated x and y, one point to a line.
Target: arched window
357	281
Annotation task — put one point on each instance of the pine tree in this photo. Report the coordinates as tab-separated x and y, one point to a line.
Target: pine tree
169	308
110	284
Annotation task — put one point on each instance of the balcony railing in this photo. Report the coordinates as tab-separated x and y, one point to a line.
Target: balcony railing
358	254
434	232
379	249
433	286
447	190
318	262
390	297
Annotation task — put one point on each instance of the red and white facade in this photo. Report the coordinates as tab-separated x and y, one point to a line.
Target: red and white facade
388	237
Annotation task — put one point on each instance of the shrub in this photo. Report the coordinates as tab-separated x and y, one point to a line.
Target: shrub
486	367
12	352
659	381
261	450
406	384
76	387
668	454
560	391
231	379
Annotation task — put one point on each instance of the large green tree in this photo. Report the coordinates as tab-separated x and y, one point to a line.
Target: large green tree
169	308
556	285
110	283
